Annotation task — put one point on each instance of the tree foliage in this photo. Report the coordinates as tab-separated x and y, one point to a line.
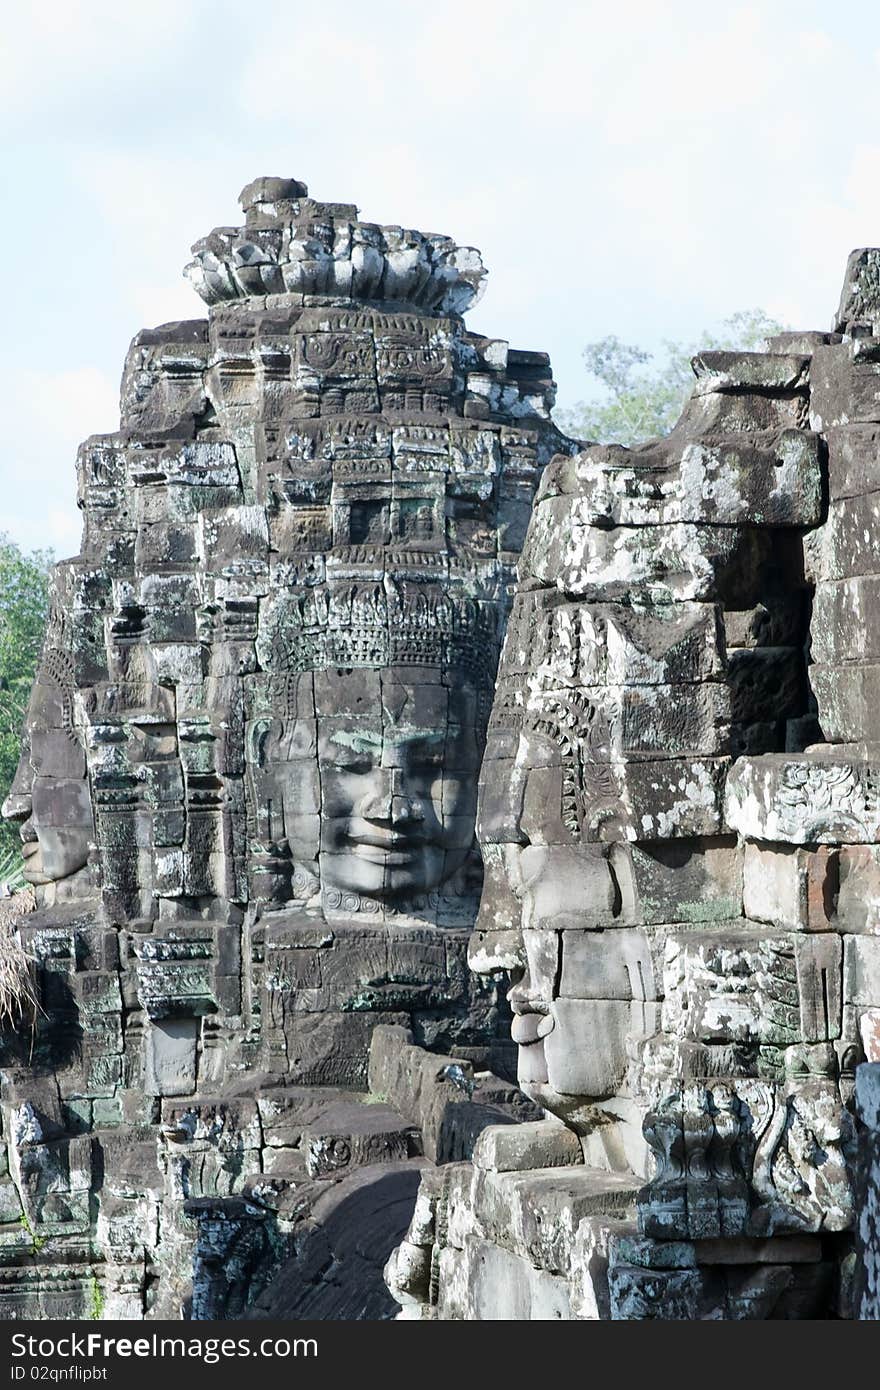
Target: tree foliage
642	395
23	610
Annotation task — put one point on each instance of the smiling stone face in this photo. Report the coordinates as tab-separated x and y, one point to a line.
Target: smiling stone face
398	794
370	786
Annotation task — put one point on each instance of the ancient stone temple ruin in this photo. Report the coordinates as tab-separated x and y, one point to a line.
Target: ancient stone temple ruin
249	782
679	817
285	959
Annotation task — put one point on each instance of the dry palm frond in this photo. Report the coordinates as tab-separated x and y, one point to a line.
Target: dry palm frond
18	998
11	872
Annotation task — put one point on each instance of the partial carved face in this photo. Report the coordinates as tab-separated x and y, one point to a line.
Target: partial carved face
580	974
376	780
50	794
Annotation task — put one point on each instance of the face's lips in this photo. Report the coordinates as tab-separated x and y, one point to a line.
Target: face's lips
529	1028
391	859
390	849
33	863
384	839
390	846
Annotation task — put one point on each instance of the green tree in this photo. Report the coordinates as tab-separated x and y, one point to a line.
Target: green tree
23	610
642	395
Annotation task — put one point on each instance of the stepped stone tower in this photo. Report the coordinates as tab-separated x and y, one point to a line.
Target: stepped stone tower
248	786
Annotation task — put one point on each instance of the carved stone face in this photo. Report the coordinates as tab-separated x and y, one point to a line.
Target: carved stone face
375	777
50	794
398	799
583	975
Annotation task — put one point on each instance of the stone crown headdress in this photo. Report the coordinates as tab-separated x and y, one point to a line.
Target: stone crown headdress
378	624
292	244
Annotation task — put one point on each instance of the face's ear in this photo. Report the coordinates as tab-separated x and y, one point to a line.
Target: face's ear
255	742
568	887
501	791
623	876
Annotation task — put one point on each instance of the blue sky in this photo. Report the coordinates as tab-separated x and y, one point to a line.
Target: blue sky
636	168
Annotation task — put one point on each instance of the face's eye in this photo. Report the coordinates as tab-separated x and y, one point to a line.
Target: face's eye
427	762
359	764
357	757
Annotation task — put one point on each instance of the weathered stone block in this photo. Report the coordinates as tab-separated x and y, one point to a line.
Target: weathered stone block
846	620
741	411
606	965
638	1294
844	384
534	1144
171	1056
844	546
749	371
574	1065
757	481
678	562
847	697
819	960
671	720
858	897
861	970
824	796
853	468
789	886
687	880
765	680
737	987
352	1136
537	1214
331	1048
484	1282
678	798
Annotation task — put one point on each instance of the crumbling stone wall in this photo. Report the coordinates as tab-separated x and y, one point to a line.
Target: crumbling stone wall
678	820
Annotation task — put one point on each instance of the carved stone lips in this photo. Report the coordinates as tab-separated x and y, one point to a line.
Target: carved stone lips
33	863
388	847
530	1028
384	839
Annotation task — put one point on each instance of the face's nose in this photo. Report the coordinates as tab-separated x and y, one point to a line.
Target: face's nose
18	806
19	802
536	987
388	798
405	807
374	802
